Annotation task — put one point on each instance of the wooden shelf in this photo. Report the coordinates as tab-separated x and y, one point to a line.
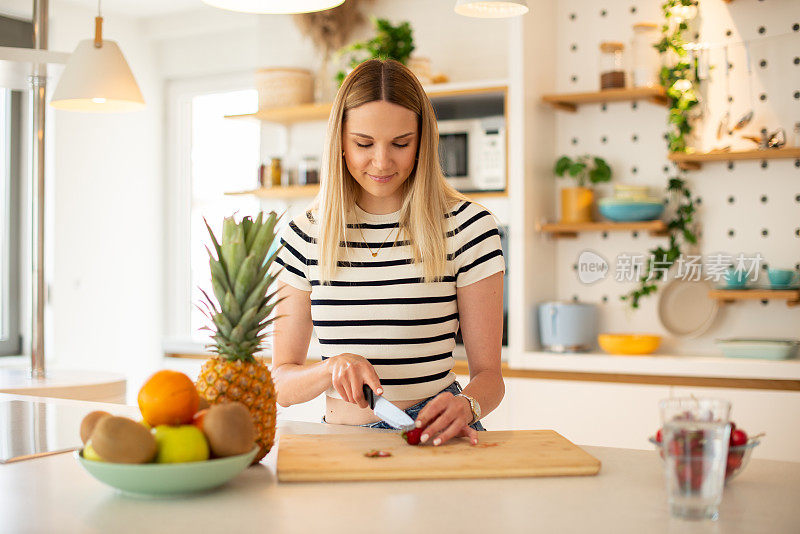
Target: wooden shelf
308	191
791	296
17	64
290	115
321	110
571	101
288	192
692	162
571	230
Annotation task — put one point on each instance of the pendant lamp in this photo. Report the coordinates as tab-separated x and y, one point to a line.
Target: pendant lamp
491	9
274	7
97	78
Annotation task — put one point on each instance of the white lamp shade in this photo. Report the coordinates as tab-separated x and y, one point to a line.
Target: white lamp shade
491	9
97	80
274	7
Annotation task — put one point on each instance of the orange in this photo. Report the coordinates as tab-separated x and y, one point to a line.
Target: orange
168	398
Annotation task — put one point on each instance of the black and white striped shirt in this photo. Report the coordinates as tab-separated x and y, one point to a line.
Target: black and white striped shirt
379	307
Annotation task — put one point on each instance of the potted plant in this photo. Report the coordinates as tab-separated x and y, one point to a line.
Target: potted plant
576	202
390	42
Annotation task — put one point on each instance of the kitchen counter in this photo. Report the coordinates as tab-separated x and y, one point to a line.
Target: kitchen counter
54	494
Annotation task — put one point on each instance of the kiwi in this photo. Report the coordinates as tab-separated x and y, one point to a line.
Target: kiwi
229	429
122	440
89	422
203	404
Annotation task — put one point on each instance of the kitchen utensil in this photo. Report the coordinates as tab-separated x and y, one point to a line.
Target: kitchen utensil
499	454
722	128
629	344
567	326
763	349
775	139
724	124
747	117
630	210
740	455
387	411
696	435
685	309
167	479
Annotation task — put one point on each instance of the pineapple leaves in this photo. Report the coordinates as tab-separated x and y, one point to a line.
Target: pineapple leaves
247	318
219	281
258	293
245	278
225	327
213	240
231	308
241	279
233	251
210	302
252	230
264	238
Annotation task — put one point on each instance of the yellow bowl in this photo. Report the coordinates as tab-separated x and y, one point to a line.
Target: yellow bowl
629	344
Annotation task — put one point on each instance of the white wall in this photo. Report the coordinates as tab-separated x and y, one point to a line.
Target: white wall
104	212
209	41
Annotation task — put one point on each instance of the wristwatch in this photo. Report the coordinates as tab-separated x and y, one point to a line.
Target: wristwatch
473	406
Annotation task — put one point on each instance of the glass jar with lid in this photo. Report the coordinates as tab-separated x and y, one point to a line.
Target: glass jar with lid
275	172
308	170
612	69
645	57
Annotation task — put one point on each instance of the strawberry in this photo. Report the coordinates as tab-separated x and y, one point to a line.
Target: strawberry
412	436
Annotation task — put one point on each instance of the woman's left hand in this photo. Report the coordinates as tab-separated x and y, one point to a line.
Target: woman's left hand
446	416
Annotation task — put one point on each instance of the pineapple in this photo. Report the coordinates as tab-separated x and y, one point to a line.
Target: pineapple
241	282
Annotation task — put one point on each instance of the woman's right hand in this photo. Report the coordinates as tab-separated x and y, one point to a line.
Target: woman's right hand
349	373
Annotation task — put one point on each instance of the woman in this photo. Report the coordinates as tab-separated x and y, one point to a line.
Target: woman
385	266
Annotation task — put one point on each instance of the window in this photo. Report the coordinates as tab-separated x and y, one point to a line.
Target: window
207	157
10	128
225	158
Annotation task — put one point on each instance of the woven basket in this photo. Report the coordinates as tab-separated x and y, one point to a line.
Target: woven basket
281	87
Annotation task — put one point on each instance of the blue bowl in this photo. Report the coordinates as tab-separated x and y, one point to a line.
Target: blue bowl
622	210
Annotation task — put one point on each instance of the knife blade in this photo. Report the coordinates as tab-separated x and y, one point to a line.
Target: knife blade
387	411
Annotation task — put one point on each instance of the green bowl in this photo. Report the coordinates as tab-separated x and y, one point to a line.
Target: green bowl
167	479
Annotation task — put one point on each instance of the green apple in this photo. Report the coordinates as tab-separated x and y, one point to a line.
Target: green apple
90	454
177	444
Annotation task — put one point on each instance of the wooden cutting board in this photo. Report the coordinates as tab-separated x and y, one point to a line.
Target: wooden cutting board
499	454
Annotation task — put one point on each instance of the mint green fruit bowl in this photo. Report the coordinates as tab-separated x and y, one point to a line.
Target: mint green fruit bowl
167	479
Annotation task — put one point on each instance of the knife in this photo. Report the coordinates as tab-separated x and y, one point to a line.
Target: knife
387	411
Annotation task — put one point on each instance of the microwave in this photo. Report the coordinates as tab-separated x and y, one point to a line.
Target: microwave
472	153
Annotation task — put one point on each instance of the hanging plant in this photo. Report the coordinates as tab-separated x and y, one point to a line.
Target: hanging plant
678	77
679	73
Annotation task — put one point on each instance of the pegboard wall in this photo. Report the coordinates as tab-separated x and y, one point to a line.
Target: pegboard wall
747	207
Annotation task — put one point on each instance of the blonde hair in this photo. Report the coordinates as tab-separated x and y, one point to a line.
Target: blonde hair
426	194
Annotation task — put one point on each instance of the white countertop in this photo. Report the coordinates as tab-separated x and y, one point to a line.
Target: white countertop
54	494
